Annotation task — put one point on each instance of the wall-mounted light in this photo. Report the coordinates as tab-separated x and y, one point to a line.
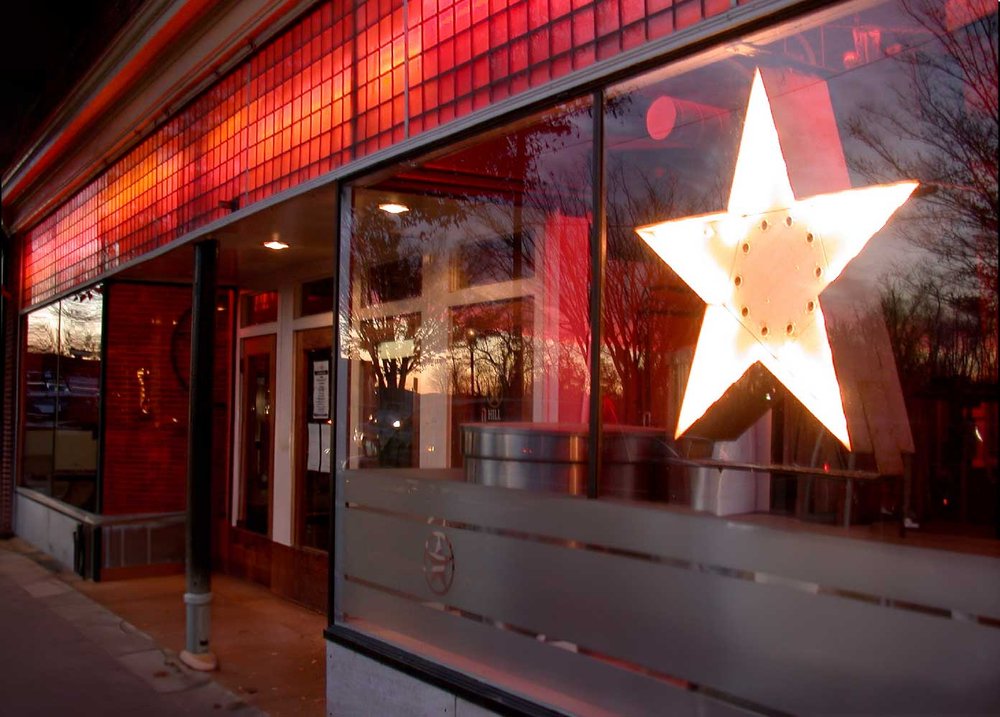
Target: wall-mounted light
393	208
276	244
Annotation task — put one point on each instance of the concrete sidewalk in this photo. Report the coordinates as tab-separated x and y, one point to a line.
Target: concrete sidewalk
111	648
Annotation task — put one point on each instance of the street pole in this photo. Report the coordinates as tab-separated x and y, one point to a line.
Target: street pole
198	596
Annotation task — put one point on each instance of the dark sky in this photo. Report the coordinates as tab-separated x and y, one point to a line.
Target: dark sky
47	48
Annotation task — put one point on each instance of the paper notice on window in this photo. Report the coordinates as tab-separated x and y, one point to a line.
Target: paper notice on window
321	390
313	459
325	447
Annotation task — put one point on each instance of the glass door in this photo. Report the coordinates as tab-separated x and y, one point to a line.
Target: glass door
257	438
312	437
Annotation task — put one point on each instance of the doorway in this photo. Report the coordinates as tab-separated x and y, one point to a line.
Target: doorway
312	437
257	436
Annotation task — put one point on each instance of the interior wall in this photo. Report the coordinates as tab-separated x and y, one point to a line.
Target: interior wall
148	349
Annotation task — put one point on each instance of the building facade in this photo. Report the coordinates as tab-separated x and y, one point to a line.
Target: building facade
575	357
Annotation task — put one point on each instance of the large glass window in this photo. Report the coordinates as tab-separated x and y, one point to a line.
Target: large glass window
801	291
62	373
798	343
468	317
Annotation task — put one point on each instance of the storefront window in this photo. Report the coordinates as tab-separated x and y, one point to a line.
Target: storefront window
258	308
801	290
468	315
62	399
797	332
316	297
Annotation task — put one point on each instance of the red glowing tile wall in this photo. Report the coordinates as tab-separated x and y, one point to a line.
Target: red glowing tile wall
467	55
147	358
298	104
380	90
345	80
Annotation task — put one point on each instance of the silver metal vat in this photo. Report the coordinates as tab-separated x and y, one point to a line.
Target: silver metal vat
553	457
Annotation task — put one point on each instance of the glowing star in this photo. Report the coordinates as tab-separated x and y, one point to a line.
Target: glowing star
761	266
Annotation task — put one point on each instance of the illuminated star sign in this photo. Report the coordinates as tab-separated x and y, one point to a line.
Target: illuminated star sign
761	266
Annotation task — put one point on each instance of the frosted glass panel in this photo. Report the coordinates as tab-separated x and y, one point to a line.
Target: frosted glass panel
683	602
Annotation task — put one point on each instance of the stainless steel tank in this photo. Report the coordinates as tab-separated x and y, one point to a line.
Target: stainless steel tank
553	457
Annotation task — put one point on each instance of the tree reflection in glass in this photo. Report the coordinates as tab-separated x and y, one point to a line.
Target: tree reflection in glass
469	299
62	398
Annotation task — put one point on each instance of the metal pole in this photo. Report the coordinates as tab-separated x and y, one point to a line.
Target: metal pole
8	391
598	252
198	596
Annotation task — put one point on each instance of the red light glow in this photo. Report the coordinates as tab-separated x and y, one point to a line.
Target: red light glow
340	83
661	117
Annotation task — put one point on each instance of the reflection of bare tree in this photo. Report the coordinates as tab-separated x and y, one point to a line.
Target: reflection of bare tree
941	128
71	327
493	336
468	290
633	272
43	337
640	291
80	324
387	266
935	333
394	347
527	181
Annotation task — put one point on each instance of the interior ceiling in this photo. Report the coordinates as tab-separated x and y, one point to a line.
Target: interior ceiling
305	223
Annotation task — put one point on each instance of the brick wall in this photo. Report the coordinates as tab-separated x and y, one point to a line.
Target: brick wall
8	424
147	354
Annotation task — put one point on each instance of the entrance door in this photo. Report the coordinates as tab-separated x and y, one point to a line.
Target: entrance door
257	436
313	431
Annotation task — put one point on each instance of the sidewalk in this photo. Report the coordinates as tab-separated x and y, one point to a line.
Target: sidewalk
110	648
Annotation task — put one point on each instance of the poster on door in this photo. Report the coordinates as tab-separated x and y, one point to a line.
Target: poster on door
320	390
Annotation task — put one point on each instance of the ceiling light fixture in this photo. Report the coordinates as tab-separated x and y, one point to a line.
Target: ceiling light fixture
276	244
393	208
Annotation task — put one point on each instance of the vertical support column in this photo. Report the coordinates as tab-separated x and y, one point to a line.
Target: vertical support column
598	251
8	352
338	391
198	596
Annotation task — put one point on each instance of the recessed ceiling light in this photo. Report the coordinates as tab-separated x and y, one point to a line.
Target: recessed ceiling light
392	208
276	244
